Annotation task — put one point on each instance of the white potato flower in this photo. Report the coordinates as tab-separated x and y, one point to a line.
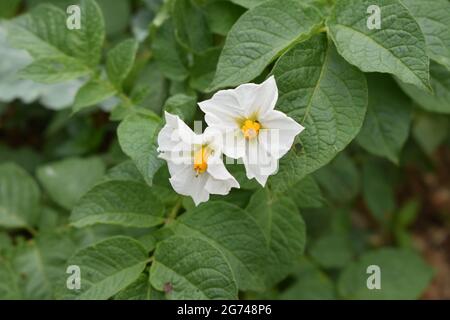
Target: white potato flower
252	130
194	160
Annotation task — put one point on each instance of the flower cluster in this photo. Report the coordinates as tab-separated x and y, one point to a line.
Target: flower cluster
242	124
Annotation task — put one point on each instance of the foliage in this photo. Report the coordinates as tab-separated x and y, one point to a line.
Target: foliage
85	186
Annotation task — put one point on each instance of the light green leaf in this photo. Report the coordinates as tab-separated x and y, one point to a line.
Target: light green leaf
325	94
87	42
260	36
56	96
120	61
245	251
137	137
284	230
388	118
439	100
191	268
398	47
404	275
107	267
125	203
53	70
92	93
66	181
434	19
19	197
182	105
42	32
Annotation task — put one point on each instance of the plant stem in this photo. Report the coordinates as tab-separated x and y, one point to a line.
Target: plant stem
174	212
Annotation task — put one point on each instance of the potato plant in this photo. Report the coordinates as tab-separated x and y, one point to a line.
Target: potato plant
224	149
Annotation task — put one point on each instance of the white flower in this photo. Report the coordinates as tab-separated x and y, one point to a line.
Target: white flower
195	161
252	129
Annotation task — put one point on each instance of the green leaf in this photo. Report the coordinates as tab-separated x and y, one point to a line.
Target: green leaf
93	92
120	61
434	19
398	47
168	54
42	32
117	16
439	100
339	179
221	16
182	105
310	284
430	131
203	69
41	263
325	94
150	97
9	281
125	171
248	3
378	191
107	267
190	25
306	193
12	87
404	275
245	250
137	137
260	36
53	70
332	250
125	203
139	290
284	230
191	268
388	118
8	9
66	181
19	197
87	42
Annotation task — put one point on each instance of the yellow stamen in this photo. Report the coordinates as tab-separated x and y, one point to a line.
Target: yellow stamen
251	129
200	160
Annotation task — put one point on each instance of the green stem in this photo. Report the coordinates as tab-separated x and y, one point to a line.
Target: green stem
174	212
323	29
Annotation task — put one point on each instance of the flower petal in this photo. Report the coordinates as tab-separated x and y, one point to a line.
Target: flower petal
279	133
264	99
185	182
175	134
233	144
222	110
259	164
